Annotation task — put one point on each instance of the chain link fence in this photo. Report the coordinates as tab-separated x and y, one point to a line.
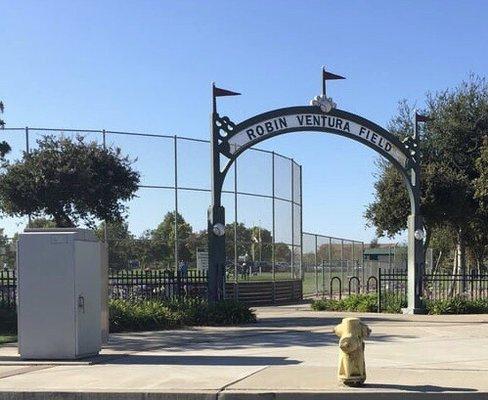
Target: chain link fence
166	222
325	257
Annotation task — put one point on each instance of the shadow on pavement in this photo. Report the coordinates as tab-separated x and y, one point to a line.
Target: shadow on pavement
248	339
418	388
138	359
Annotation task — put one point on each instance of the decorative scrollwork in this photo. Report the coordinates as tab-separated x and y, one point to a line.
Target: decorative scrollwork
411	146
324	103
224	126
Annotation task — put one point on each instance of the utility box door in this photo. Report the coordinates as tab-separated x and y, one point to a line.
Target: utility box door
46	303
88	297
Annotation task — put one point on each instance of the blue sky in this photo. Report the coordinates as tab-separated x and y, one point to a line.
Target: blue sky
147	66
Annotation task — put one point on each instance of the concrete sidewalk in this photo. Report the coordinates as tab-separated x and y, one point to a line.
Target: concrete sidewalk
289	354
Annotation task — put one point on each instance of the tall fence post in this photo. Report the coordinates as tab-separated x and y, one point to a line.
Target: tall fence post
343	275
323	278
316	269
273	252
292	220
330	263
473	277
236	256
362	261
176	201
301	226
27	152
105	228
379	289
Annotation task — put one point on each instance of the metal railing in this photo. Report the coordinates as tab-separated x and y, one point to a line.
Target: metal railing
130	285
166	285
8	288
157	285
390	286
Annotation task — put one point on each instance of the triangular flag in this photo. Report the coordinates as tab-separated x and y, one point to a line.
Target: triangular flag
218	92
422	118
327	76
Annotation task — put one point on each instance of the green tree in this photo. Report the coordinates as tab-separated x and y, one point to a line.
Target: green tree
243	240
255	242
42	223
153	252
282	252
443	240
374	243
7	251
164	237
122	245
481	182
479	230
4	146
450	147
2	109
197	241
70	181
261	243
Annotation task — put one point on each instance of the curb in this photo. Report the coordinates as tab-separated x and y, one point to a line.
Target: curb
242	395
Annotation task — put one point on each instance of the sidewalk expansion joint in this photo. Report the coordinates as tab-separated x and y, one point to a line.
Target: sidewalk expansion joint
223	388
25	370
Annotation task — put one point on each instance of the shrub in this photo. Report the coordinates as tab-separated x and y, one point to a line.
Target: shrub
229	312
457	305
354	302
361	303
146	315
393	303
326	305
8	318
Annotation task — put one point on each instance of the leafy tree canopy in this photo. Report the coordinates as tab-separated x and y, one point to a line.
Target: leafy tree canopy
42	223
2	108
4	146
454	177
164	236
69	180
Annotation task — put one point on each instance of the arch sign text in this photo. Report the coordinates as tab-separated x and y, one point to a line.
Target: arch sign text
262	130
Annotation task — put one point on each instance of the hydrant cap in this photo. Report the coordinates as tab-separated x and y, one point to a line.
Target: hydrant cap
352	325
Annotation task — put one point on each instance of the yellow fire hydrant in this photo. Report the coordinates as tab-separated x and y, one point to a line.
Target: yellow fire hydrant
352	368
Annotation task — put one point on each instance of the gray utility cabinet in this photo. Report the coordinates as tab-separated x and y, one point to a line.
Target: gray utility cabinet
59	293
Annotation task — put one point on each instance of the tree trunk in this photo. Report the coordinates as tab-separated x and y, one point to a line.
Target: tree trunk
428	235
462	259
454	272
437	264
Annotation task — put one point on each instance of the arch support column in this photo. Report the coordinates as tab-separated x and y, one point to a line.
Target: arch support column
216	220
415	266
216	254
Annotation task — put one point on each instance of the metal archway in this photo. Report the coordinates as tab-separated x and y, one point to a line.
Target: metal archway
230	140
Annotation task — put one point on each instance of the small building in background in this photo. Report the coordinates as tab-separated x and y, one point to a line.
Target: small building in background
382	254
